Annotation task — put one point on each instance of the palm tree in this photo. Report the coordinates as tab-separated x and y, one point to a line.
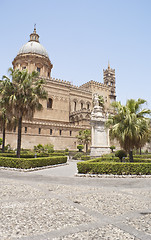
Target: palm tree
5	118
85	137
125	124
144	134
24	98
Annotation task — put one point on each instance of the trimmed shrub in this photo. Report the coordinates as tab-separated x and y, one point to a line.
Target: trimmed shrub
121	154
26	163
112	148
80	147
114	168
85	157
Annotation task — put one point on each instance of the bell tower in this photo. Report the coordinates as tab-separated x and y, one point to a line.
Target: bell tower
109	80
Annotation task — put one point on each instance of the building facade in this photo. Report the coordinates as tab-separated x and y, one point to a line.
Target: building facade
67	109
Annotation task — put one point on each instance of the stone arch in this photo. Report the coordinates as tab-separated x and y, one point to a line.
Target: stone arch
88	105
75	101
81	104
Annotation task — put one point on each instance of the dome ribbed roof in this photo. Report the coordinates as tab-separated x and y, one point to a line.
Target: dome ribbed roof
33	47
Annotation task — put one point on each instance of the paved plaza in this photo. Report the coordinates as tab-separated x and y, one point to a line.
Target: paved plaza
53	204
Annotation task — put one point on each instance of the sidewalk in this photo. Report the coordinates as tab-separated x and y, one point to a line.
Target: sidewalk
52	204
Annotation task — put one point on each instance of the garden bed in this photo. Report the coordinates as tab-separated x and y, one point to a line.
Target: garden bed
27	163
97	166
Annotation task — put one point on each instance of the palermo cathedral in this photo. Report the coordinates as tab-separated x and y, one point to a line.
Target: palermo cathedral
67	109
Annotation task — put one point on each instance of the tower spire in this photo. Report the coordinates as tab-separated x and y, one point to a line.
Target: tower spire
108	64
35	28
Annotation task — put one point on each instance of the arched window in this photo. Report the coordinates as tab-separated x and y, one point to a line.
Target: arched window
49	103
88	106
75	105
81	105
38	69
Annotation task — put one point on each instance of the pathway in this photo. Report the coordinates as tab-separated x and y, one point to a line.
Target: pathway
52	204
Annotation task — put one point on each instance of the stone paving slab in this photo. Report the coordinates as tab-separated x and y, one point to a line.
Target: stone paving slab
38	206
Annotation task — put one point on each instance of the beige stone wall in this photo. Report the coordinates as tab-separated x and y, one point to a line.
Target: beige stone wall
33	61
29	141
59	94
60	135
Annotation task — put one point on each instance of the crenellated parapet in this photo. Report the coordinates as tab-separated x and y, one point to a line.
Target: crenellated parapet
66	83
93	83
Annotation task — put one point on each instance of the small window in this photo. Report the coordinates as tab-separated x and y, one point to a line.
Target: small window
88	106
39	130
25	129
60	132
70	133
50	131
48	74
38	69
14	130
49	103
81	105
75	106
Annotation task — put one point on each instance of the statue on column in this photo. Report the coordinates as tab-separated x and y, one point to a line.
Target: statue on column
100	136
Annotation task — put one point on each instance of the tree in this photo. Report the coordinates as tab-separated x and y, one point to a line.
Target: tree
112	148
24	98
6	120
125	124
85	137
1	141
144	134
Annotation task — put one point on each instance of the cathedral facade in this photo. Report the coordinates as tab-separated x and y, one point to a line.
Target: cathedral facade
67	109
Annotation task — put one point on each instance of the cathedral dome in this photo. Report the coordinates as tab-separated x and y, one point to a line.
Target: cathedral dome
33	57
33	47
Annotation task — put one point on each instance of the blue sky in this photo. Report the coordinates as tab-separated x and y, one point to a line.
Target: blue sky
80	37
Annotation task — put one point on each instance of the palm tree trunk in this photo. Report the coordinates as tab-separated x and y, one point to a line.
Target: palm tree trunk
140	151
131	156
86	147
19	137
3	145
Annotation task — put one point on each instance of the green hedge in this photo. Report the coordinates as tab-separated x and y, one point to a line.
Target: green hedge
114	168
32	155
142	156
26	163
85	157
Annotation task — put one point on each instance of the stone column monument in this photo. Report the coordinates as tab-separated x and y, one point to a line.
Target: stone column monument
99	133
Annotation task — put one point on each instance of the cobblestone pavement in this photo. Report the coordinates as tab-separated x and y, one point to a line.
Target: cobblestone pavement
52	204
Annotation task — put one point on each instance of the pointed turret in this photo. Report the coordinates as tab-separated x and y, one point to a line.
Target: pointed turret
108	65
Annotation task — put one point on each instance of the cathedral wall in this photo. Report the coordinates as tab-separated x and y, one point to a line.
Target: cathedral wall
61	136
29	141
80	99
59	110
